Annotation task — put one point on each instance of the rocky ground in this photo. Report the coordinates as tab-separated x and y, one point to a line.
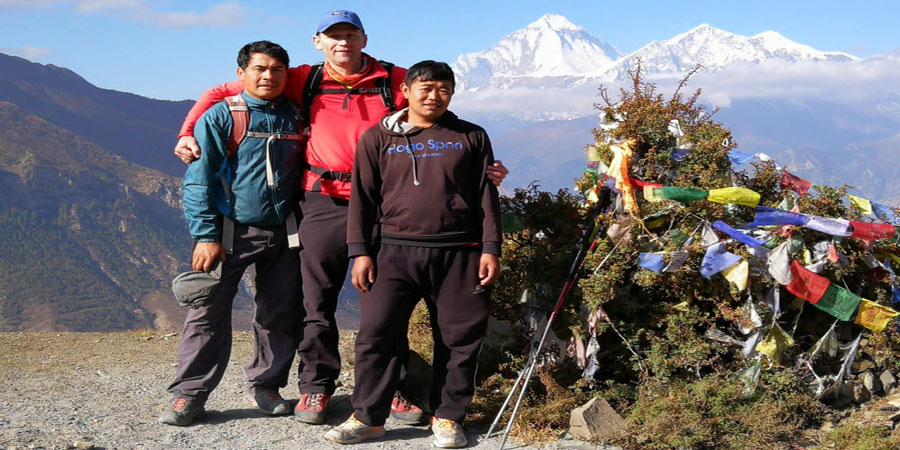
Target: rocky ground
96	390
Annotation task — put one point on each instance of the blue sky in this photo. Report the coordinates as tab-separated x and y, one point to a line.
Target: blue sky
173	50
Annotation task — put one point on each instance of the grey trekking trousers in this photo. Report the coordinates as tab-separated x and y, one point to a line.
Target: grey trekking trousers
205	345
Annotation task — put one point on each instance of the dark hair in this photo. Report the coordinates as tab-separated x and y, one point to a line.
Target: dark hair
429	70
264	47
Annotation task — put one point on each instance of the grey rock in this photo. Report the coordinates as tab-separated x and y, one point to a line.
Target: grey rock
871	382
83	445
860	394
888	381
862	365
595	420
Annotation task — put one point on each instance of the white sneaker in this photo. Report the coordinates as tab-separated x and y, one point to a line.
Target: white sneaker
353	431
447	433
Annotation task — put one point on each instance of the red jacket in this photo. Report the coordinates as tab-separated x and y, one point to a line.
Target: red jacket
334	130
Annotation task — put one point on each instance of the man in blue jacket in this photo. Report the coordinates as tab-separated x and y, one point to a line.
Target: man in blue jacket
238	198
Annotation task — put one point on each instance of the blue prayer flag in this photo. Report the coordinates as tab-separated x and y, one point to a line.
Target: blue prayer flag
737	235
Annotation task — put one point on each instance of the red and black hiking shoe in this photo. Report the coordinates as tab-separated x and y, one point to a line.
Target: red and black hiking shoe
403	411
268	401
183	411
312	408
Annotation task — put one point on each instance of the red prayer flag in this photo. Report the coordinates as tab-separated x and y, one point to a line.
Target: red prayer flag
794	183
871	231
641	184
806	284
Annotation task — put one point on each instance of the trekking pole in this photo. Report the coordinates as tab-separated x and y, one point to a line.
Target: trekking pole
571	278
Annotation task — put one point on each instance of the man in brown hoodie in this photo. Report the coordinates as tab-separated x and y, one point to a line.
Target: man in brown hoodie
419	178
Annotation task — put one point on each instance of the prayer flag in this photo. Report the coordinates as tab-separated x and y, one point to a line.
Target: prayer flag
679	194
593	153
736	195
884	213
839	302
794	183
779	263
871	231
618	169
678	154
650	195
805	284
775	343
717	259
708	235
772	216
739	158
749	318
737	235
676	259
738	274
828	225
862	204
652	261
874	316
773	299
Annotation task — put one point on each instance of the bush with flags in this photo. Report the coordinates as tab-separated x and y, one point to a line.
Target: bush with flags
787	251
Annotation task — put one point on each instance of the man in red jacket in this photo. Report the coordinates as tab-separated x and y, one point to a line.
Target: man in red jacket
349	99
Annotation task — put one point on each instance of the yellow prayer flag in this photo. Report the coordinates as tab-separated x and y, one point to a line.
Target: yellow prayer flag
592	153
775	343
807	257
650	196
618	169
864	205
874	316
683	306
738	274
736	195
592	197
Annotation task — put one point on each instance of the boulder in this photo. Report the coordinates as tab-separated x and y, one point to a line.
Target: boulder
595	420
860	394
871	382
888	381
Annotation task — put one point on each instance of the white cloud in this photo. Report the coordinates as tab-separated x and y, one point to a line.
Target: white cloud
28	52
220	15
871	78
225	14
108	5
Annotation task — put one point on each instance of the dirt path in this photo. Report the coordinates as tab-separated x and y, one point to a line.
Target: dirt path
62	390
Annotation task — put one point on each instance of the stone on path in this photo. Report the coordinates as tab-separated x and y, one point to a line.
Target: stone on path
871	382
594	420
887	381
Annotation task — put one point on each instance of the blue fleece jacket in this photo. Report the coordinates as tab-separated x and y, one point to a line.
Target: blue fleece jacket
252	202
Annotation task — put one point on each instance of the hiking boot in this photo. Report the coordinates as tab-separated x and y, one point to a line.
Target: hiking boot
353	431
268	401
183	411
312	408
447	433
405	412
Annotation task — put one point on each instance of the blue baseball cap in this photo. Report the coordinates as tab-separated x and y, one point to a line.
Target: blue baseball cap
339	16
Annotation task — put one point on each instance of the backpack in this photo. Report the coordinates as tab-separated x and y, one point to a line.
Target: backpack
240	130
311	89
382	87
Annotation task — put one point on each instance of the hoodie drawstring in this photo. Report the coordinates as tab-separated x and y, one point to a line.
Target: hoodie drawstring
409	149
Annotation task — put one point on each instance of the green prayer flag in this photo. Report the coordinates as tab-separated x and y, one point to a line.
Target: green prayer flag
838	302
680	194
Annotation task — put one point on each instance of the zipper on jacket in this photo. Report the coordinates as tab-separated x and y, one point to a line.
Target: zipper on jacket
272	194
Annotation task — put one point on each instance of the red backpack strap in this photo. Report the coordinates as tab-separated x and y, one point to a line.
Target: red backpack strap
240	122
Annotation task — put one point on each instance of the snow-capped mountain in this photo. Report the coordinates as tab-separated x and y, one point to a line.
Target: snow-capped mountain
552	48
714	49
555	52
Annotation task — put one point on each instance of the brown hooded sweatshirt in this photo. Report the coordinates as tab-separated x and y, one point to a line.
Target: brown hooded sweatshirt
424	187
